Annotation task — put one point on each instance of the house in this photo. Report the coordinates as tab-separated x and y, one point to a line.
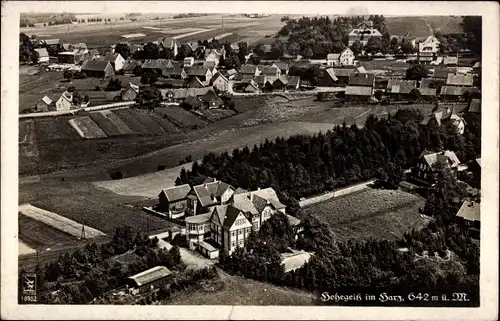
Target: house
214	56
229	225
154	278
65	102
342	75
428	49
203	74
295	224
43	55
342	58
454	93
131	67
363	31
221	83
252	87
358	94
44	104
179	94
53	43
157	65
261	80
425	172
68	57
280	84
469	217
195	82
252	70
204	196
428	94
173	200
174	73
169	43
212	100
130	92
283	67
450	61
460	80
93	54
193	103
441	73
363	80
188	61
476	69
115	59
231	74
270	71
474	106
445	117
400	89
293	83
98	69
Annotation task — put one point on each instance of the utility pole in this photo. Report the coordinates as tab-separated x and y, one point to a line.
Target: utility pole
222	21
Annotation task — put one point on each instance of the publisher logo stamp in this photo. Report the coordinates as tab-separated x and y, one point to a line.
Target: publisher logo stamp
28	287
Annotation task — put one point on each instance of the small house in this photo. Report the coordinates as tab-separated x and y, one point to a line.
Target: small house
428	94
469	218
221	83
115	59
342	58
208	250
53	43
149	280
44	104
358	94
212	100
188	62
202	73
98	69
252	70
401	89
460	80
43	55
453	93
129	92
446	116
440	73
342	75
329	78
195	82
425	170
169	43
65	102
68	57
173	200
293	83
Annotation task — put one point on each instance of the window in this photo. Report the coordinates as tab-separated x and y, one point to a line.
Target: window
232	234
240	231
233	244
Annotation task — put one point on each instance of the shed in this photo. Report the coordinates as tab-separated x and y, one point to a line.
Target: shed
130	92
474	106
208	250
150	279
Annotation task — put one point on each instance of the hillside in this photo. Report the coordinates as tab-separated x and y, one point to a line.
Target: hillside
423	26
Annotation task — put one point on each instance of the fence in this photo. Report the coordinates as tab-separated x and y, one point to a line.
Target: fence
75	111
163	215
337	193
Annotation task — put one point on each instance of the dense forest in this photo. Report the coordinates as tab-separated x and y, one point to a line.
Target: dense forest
304	165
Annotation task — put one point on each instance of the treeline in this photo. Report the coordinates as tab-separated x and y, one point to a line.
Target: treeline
80	276
304	165
29	20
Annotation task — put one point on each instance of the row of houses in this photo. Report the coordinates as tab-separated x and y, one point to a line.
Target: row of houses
219	216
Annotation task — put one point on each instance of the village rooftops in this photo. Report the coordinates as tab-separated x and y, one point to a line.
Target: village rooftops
167	42
470	211
456	91
206	193
176	193
283	66
248	69
441	73
130	65
268	70
157	64
196	71
427	91
358	79
403	87
110	57
95	65
150	275
450	60
342	72
460	80
358	91
394	82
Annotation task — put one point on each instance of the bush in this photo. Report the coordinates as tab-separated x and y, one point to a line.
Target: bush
116	175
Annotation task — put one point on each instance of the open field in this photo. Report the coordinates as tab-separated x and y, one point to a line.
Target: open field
371	213
24	249
214	115
87	128
57	221
234	290
148	185
36	234
423	26
180	117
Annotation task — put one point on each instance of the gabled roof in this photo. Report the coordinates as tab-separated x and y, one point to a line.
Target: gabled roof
454	91
270	195
248	69
46	100
232	214
196	82
269	70
51	42
133	87
240	190
359	79
176	193
403	87
192	101
460	80
175	71
293	81
360	70
331	73
157	64
111	57
395	82
428	91
475	106
95	65
260	80
205	192
242	202
358	91
197	71
425	82
211	97
333	56
231	72
219	76
343	72
167	42
67	96
283	79
42	52
441	73
252	87
477	65
150	275
283	66
470	211
293	221
209	64
130	65
447	156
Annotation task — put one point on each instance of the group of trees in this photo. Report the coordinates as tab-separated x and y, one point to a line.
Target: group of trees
304	165
85	274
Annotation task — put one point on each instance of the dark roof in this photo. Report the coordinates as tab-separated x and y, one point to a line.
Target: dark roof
403	87
42	52
248	69
428	91
441	73
268	70
454	91
175	71
231	214
475	106
192	101
95	65
196	82
204	192
130	65
170	82
197	71
176	193
211	97
219	75
282	65
293	81
111	57
358	79
343	72
424	83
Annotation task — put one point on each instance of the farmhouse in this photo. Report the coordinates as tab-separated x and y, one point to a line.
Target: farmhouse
252	70
65	102
280	84
342	58
454	93
283	67
148	280
169	43
360	87
173	200
129	92
342	75
203	197
44	104
445	117
43	55
212	100
115	59
195	82
98	69
363	32
203	74
221	83
469	217
425	171
428	49
174	73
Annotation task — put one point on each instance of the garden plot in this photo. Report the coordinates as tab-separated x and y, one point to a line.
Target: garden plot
130	120
38	235
105	124
371	213
167	126
117	122
180	117
58	222
87	128
150	124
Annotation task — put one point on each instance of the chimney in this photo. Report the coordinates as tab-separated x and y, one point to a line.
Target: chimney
251	197
258	188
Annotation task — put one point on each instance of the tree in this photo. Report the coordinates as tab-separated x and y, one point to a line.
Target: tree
151	51
114	84
150	96
407	47
77	98
149	77
357	47
285	31
373	46
34	57
307	53
25	48
68	74
123	49
185	51
417	72
472	26
176	254
242	51
415	95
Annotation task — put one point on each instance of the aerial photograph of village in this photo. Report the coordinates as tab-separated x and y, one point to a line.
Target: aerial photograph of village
249	159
